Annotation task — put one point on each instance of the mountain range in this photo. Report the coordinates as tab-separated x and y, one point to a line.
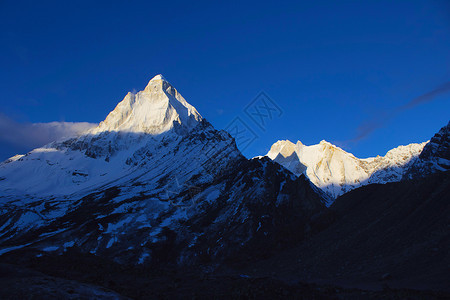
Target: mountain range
153	175
336	171
156	186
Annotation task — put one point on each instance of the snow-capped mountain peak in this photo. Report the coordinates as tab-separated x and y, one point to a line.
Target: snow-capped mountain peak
143	125
156	83
158	77
154	110
283	147
336	171
323	142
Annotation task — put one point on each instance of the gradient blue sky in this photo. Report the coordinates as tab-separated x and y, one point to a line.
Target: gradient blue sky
332	66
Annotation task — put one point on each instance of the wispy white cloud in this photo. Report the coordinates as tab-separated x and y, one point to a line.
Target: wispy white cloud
17	135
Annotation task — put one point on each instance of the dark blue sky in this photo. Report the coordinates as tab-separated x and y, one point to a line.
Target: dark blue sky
331	66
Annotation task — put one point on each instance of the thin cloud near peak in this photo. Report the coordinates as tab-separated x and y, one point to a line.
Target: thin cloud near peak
27	136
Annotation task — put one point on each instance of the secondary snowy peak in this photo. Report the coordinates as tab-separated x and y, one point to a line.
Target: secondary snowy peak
336	171
284	153
284	148
156	109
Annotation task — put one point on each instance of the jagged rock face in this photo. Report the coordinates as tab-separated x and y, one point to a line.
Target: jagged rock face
336	171
435	156
247	211
148	186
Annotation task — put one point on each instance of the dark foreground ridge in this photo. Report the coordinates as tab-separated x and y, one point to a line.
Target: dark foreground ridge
380	241
81	276
394	235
